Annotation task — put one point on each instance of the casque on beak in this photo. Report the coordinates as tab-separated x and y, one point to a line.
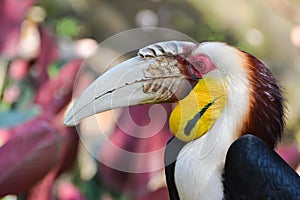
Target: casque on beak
156	75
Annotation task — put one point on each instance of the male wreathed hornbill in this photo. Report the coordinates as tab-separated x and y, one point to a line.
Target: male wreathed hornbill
228	119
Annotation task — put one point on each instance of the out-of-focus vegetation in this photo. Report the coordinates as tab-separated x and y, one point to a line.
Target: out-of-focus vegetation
43	43
268	29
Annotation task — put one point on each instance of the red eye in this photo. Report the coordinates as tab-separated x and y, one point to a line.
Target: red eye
201	65
196	66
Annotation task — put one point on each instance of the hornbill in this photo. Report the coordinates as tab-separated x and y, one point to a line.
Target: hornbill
229	117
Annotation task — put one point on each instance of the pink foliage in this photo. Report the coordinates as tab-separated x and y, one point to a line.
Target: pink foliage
67	191
134	184
54	94
18	69
37	151
12	13
290	153
48	53
161	194
28	157
42	148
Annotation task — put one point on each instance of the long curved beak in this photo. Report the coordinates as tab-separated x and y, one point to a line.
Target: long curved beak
145	79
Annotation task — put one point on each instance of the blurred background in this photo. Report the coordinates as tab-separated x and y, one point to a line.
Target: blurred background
44	43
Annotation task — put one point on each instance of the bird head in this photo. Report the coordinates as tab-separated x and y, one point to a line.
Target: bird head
210	81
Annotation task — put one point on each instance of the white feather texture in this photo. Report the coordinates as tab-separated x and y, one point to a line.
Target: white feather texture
199	165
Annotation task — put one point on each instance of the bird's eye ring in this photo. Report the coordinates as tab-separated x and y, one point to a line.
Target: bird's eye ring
201	65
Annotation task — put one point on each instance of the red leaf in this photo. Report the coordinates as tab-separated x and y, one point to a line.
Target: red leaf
70	141
27	157
43	190
7	133
48	54
56	93
135	138
12	13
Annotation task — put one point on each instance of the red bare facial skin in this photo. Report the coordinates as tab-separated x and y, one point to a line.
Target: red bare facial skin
196	66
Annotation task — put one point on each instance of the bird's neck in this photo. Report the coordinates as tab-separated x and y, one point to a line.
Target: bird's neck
253	105
201	161
266	109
